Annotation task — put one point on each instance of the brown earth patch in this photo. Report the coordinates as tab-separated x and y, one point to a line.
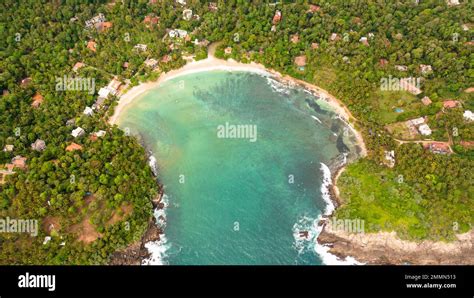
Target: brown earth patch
86	231
126	208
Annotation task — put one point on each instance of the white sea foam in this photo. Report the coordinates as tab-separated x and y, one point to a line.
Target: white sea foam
325	189
308	225
158	249
277	86
323	250
152	164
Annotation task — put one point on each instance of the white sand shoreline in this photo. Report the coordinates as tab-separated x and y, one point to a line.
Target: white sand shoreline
212	63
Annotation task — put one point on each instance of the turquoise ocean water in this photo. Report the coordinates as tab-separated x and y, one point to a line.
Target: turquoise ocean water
238	200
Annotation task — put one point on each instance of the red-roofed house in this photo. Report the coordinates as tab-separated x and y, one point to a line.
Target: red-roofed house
103	26
295	38
438	147
91	45
450	104
19	162
37	100
277	17
73	147
166	59
314	8
77	66
467	144
151	20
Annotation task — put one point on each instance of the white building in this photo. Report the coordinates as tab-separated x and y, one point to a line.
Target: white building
88	111
424	129
425	69
78	132
187	14
104	92
141	47
390	158
152	63
417	121
100	133
401	67
468	115
178	33
97	19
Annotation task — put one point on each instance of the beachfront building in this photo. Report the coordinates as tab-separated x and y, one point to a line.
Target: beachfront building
100	133
103	26
78	132
416	121
151	63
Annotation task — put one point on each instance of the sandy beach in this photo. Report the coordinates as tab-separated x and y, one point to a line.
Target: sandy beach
213	63
208	64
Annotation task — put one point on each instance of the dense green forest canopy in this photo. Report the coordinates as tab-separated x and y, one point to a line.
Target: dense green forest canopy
106	187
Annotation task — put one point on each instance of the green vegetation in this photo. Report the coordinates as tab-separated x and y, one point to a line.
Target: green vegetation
416	206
